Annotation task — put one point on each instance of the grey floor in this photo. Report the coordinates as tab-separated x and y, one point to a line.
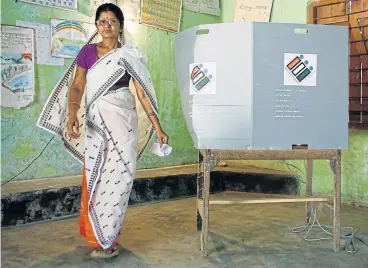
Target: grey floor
164	235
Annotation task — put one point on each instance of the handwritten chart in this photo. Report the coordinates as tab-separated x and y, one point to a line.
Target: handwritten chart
211	7
131	10
42	45
64	4
17	66
96	3
161	14
253	10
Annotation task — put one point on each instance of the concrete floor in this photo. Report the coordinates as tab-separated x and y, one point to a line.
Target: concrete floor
164	235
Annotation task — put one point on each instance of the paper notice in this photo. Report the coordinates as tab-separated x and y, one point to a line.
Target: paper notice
96	3
211	7
17	66
42	43
191	5
131	10
64	4
253	10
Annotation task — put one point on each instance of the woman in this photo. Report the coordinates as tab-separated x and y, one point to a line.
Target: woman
102	130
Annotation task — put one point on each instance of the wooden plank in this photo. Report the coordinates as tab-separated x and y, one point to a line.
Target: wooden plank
326	8
357	6
342	20
309	177
273	154
358	107
200	207
269	201
309	192
337	204
238	167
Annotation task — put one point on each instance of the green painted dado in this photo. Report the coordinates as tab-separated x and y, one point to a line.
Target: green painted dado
22	141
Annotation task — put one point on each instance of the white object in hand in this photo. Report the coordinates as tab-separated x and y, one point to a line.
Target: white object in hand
165	150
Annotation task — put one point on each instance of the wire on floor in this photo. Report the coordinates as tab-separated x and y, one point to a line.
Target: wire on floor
13	178
313	222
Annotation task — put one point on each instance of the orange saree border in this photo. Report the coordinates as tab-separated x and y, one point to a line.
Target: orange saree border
85	227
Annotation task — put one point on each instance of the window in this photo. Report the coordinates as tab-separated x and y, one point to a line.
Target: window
354	14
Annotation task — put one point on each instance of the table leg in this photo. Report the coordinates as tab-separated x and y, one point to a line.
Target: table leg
309	191
200	181
337	202
206	199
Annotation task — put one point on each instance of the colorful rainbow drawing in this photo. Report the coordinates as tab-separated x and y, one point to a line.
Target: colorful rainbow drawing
70	25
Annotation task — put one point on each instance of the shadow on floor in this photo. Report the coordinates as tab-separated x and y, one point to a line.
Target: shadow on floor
80	258
230	253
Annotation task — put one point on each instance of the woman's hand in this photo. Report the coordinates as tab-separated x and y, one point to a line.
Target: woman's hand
73	125
162	137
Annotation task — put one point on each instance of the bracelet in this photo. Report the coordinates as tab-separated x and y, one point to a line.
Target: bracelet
151	114
74	102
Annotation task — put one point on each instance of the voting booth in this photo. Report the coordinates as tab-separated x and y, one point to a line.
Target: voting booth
265	91
264	85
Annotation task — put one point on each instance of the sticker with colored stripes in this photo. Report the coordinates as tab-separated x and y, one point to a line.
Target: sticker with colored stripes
202	78
300	69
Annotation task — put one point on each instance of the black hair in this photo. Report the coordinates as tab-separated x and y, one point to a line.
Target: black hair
113	8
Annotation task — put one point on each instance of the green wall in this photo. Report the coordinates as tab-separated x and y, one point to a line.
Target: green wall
22	141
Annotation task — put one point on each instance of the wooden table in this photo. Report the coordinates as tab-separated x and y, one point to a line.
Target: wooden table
208	159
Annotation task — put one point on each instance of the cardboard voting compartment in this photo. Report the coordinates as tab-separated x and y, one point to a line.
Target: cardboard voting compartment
254	85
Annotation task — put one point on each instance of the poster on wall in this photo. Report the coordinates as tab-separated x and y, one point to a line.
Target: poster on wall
162	14
211	7
64	4
130	9
42	43
69	36
253	10
96	3
17	66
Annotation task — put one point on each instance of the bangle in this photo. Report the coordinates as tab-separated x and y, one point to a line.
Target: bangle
74	102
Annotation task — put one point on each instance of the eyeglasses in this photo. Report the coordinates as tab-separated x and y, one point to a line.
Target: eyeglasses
111	22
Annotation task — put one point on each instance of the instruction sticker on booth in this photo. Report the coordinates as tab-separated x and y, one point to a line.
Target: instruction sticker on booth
202	78
300	69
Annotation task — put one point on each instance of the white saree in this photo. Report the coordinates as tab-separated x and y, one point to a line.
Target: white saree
114	129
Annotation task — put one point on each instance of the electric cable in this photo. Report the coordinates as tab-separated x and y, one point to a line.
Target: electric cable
13	178
288	165
350	245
